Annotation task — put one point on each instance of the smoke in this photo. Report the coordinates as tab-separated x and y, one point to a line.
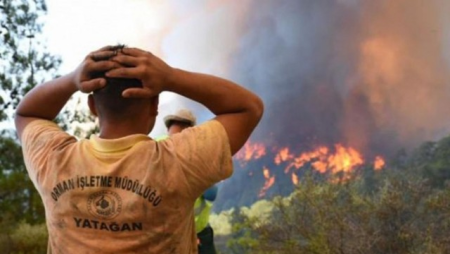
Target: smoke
404	78
369	74
204	35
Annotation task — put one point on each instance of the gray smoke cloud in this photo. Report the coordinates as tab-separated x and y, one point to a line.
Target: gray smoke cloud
369	74
372	74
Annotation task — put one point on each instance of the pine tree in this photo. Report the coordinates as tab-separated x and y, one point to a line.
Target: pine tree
24	63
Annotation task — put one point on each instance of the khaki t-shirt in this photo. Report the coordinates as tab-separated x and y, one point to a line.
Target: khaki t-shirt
127	195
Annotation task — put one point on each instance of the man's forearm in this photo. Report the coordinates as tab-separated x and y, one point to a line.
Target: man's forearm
46	101
218	95
235	107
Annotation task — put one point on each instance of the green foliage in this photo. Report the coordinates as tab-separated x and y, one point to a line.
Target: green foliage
221	222
403	215
25	238
18	197
432	161
79	120
405	208
24	61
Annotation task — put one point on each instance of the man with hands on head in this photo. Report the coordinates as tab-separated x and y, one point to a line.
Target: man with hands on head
120	191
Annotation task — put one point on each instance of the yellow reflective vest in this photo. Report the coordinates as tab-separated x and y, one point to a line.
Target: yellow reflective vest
202	209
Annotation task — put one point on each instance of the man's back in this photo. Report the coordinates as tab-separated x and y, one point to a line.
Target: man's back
133	191
124	85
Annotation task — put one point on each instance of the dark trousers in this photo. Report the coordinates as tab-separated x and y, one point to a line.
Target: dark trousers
206	238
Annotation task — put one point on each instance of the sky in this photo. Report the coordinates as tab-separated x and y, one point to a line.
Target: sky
373	75
192	35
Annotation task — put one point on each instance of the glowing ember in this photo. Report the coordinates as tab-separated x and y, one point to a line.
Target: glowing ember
294	178
266	173
270	180
379	163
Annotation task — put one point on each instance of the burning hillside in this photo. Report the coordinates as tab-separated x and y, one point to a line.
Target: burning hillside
368	74
346	85
262	171
339	162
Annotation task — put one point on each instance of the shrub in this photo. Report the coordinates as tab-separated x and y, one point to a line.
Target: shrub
402	215
29	239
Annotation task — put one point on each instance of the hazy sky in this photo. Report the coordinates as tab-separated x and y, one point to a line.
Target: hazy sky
370	74
187	34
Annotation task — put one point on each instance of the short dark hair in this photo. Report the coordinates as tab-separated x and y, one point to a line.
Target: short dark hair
109	100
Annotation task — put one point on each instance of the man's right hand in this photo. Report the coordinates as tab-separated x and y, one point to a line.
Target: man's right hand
149	69
236	108
95	62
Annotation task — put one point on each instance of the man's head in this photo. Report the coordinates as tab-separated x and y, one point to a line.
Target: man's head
111	107
179	121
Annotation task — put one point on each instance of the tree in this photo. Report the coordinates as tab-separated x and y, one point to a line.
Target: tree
24	63
432	161
404	215
24	60
18	198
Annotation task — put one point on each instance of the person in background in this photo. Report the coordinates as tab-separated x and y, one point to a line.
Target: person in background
120	191
176	123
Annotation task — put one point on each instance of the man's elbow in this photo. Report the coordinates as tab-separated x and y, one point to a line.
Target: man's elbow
17	119
18	124
20	114
257	109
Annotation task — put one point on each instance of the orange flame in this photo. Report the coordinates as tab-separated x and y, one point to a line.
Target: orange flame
282	156
339	162
294	178
251	151
344	160
379	163
318	154
270	180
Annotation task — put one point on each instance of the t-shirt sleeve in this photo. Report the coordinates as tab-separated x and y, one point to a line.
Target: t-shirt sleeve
40	140
204	155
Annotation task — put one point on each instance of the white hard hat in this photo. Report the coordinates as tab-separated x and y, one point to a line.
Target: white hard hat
182	115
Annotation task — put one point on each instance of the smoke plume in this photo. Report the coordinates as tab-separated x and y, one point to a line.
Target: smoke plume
369	74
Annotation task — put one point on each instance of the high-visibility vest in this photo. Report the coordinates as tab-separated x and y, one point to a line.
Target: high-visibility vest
202	209
162	137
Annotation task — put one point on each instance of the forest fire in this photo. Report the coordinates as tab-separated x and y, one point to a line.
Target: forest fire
338	161
251	151
376	83
283	155
294	178
379	163
270	180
